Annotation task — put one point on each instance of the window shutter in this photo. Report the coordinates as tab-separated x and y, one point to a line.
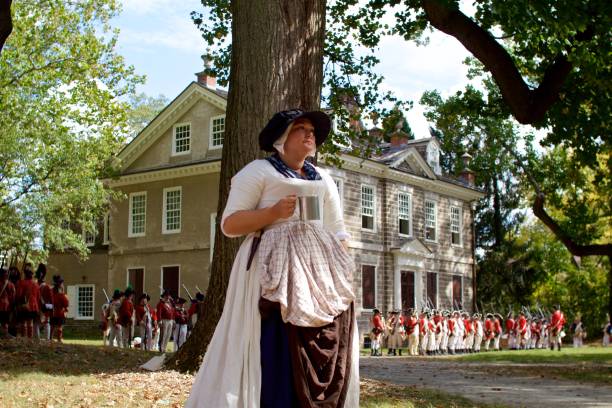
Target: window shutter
72	299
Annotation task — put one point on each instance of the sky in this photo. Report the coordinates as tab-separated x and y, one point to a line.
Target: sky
159	39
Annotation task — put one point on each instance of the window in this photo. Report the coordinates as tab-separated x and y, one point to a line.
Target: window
181	139
84	302
170	278
217	131
430	220
432	289
455	225
213	226
172	210
89	237
457	292
339	186
138	214
404	204
368	287
367	207
106	238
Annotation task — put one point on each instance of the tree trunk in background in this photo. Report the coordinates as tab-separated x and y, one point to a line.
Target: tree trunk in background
277	64
6	22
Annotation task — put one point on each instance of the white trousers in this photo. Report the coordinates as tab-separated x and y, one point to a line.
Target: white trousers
180	335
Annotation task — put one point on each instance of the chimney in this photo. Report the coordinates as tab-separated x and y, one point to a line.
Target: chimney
467	175
399	138
204	78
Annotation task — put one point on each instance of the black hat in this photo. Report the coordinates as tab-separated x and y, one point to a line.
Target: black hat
375	310
117	294
144	295
128	291
199	296
165	293
57	280
181	301
279	123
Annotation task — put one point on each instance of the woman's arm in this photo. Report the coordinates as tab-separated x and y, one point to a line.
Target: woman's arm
247	221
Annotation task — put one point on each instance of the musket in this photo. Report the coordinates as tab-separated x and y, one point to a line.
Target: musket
105	295
187	290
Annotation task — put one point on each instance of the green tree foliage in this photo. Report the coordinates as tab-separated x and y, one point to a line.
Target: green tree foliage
142	110
396	122
61	120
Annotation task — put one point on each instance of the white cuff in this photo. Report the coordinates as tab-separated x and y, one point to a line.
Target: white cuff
343	235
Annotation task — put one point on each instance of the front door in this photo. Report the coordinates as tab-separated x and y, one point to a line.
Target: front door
170	280
407	282
136	281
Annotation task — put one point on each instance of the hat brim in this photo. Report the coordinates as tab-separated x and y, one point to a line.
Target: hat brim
320	121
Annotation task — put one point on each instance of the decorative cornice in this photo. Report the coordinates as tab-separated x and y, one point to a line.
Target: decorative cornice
369	167
166	174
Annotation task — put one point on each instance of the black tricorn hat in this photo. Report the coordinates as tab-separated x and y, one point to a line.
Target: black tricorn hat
199	296
117	294
143	296
181	301
279	123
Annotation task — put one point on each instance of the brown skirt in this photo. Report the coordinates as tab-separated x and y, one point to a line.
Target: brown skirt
320	359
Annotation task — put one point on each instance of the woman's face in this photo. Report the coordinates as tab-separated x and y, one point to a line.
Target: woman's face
301	139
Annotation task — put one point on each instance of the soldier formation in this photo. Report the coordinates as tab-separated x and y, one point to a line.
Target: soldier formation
29	306
129	323
434	332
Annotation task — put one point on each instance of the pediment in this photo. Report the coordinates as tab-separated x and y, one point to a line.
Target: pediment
414	247
412	160
193	93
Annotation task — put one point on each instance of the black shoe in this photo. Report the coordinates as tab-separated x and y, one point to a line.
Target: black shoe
400	352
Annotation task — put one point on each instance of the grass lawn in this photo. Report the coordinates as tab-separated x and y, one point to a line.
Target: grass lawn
567	355
82	373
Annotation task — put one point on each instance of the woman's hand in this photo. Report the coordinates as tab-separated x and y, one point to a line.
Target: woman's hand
284	208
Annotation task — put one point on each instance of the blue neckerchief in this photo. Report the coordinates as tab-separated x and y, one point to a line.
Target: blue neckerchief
282	168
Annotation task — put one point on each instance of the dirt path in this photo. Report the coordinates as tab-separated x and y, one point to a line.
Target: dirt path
486	387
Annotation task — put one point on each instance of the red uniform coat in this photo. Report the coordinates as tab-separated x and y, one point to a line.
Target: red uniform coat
468	326
497	326
140	312
7	298
522	325
510	326
165	311
422	326
60	305
488	327
46	297
27	288
557	321
126	310
411	323
451	326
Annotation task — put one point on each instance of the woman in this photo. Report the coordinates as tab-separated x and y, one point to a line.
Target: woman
288	289
60	308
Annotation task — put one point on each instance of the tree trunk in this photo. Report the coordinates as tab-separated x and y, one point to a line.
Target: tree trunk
6	22
277	64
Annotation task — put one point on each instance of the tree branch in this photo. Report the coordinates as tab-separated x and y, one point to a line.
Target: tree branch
527	105
6	22
553	226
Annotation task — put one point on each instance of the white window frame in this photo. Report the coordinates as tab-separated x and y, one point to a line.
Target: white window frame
131	234
435	214
177	125
161	276
213	226
375	286
106	232
460	214
374	203
86	234
340	186
77	315
211	145
165	229
399	217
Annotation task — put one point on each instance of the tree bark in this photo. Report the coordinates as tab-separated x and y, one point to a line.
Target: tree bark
527	105
6	22
277	64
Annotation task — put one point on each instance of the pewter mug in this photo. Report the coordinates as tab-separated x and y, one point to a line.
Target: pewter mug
309	208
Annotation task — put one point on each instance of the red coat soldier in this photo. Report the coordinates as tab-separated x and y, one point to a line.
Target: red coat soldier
7	300
126	313
60	308
27	302
557	321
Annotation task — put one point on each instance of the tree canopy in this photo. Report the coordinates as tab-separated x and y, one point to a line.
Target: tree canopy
61	81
